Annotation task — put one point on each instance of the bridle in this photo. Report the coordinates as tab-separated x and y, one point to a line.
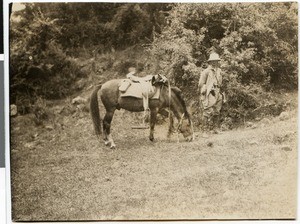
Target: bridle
177	130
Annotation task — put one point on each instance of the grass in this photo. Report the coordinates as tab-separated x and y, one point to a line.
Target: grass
64	173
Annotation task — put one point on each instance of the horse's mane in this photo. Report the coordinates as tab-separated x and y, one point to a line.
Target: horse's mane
177	92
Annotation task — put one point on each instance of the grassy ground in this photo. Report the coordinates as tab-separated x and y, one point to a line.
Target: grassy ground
60	171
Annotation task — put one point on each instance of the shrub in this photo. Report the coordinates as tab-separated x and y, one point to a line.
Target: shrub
38	66
259	53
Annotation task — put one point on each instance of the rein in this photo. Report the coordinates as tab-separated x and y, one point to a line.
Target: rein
169	88
169	115
179	126
180	122
169	107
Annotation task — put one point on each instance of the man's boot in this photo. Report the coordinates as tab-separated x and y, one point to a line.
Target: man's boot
205	127
216	124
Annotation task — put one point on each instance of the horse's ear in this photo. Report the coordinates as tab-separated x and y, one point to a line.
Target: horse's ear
153	80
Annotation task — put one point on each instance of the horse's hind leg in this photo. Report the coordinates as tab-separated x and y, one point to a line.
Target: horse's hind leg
106	128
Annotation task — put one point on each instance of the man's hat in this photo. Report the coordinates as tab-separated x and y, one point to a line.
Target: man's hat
214	57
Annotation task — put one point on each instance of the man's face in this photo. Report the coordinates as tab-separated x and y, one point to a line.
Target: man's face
214	64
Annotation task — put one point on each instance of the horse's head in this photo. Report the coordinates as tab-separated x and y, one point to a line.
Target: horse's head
185	127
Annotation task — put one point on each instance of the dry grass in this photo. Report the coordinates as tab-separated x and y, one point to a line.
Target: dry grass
64	173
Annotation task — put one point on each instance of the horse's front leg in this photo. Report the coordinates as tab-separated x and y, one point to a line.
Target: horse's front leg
168	114
153	116
108	140
171	126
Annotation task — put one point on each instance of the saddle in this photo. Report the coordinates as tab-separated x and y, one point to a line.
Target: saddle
137	89
142	88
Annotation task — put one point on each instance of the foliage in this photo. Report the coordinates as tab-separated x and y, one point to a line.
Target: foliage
45	41
257	43
38	66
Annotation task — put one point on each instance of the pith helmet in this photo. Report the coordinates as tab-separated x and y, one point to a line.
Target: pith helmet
214	57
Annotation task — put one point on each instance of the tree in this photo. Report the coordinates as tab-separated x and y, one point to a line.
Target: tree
257	42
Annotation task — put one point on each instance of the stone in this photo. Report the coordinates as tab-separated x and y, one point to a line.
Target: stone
29	145
283	116
253	142
266	121
13	110
249	124
210	144
286	148
49	127
107	179
205	135
254	126
79	100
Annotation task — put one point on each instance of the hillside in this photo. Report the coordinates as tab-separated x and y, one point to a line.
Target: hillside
60	171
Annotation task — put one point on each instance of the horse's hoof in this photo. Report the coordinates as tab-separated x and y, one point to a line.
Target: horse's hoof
190	139
151	139
112	147
107	143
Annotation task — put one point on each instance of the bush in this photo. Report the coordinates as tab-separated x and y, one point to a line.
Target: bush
258	52
38	66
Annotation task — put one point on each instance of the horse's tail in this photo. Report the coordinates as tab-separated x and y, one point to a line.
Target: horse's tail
95	113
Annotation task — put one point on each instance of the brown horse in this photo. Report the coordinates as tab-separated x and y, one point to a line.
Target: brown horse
170	98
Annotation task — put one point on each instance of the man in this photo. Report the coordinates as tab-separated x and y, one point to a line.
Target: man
210	95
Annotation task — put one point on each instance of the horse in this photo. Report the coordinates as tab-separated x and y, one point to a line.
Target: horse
170	99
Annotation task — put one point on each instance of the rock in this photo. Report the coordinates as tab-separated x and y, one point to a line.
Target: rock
80	84
13	110
132	69
34	136
257	119
266	121
286	148
214	131
107	179
254	126
79	100
67	110
253	142
83	108
29	145
116	165
16	128
283	116
210	144
249	124
225	127
204	135
49	127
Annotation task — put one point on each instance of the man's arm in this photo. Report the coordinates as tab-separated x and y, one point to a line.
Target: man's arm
202	80
221	78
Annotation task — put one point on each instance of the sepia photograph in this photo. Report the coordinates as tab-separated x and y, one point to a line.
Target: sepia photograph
153	111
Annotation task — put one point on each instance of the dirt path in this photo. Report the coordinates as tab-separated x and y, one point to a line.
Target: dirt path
68	175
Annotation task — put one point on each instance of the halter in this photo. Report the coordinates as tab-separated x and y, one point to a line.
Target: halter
181	118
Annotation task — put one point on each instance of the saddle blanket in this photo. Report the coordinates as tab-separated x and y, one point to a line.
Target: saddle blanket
138	89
